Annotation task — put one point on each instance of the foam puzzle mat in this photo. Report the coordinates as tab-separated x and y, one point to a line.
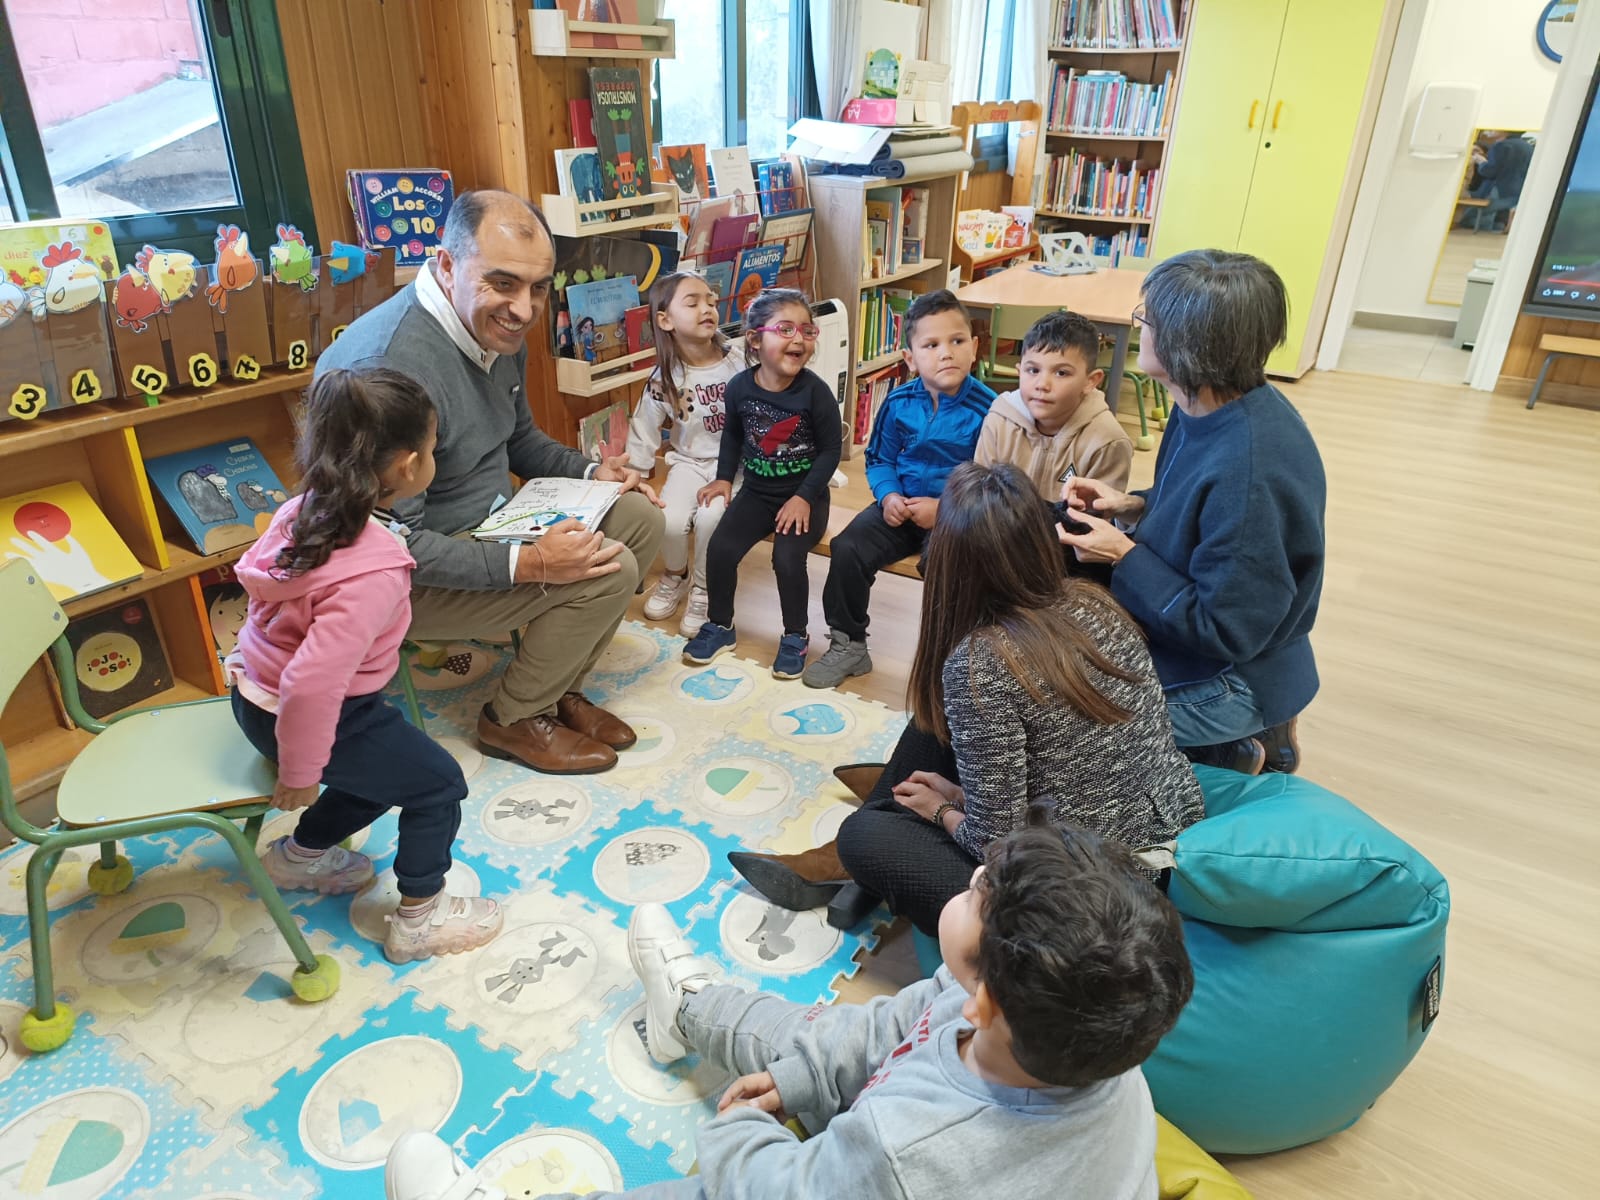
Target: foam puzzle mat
194	1074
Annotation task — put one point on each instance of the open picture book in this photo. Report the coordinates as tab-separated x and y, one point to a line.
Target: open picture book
542	503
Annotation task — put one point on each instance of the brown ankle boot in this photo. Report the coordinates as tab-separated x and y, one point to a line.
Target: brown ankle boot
793	881
860	778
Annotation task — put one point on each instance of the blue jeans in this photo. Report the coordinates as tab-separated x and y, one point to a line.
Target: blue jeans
379	761
1213	711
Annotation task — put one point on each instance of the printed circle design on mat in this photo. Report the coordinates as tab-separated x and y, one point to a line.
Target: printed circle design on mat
773	940
814	721
653	865
718	684
742	787
11	1051
68	885
536	968
371	1096
657	739
632	1067
549	1161
142	942
826	827
376	901
627	653
254	996
536	811
74	1147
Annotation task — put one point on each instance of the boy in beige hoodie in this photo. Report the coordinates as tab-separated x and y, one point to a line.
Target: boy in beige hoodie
1056	424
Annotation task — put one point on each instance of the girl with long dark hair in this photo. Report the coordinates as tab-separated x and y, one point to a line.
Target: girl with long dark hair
330	600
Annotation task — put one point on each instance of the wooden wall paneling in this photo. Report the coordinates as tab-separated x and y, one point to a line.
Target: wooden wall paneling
480	132
439	39
341	102
374	79
420	131
509	43
295	28
1524	358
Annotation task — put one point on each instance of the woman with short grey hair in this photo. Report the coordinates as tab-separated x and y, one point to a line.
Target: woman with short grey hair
1221	560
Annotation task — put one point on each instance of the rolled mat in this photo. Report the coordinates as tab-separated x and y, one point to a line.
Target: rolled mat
918	147
922	167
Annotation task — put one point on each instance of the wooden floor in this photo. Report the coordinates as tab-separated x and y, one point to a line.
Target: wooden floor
1459	645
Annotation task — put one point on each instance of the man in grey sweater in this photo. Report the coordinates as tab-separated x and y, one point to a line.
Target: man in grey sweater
1013	1072
461	331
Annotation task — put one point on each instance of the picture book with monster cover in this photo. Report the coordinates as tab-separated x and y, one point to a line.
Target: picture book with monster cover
223	495
622	132
682	168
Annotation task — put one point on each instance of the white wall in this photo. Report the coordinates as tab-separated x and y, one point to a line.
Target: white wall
1487	42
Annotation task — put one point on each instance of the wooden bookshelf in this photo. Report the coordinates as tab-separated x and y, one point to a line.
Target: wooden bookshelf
1140	64
838	230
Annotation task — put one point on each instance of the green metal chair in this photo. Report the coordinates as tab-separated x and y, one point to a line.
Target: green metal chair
412	652
130	781
1007	323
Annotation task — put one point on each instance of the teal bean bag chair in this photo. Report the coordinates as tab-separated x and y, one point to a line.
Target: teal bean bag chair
1317	939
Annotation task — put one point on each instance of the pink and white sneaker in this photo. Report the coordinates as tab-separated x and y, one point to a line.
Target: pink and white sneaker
333	872
453	924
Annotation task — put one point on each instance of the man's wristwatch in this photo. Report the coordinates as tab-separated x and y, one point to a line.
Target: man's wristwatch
938	813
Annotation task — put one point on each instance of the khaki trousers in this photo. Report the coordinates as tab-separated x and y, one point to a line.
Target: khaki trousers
565	626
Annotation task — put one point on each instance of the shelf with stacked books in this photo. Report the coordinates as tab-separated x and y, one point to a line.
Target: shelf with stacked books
555	34
859	221
1116	81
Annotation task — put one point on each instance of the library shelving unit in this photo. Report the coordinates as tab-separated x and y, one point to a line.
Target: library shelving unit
1100	155
104	446
839	228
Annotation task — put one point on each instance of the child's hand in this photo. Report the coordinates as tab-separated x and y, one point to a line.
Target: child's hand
1101	499
756	1091
718	489
292	799
924	511
794	516
617	470
895	510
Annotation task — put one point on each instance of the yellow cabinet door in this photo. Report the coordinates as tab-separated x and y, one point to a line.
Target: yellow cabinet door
1323	64
1230	49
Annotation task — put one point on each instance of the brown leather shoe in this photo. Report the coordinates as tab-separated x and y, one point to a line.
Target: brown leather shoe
793	881
860	778
545	744
576	711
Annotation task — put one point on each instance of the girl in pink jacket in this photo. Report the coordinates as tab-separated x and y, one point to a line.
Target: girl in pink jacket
330	600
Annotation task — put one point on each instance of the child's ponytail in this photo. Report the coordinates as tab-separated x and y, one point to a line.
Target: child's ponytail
355	424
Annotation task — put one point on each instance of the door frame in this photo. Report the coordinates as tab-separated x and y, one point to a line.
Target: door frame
1387	131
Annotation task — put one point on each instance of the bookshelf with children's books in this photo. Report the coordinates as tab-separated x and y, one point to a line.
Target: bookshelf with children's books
1116	72
103	449
876	265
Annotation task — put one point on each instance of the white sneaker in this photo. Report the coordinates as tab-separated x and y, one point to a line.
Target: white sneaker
668	594
456	923
333	873
422	1167
667	966
695	615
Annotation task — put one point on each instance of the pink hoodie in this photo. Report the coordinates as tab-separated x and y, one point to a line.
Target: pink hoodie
314	640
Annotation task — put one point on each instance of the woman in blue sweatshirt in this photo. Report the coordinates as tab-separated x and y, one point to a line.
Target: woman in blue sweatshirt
1221	559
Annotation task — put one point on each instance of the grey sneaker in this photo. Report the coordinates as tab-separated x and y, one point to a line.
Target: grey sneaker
839	662
336	872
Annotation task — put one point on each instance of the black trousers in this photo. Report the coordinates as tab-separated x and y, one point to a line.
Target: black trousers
751	516
863	548
379	761
913	864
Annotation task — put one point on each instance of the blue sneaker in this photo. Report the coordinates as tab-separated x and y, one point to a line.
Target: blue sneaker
791	660
711	641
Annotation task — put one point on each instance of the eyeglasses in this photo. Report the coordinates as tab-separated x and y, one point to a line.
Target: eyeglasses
788	329
1140	318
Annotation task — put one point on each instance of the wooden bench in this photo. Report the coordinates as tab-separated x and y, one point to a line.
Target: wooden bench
1555	345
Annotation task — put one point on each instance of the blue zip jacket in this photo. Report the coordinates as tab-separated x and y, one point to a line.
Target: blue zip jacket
913	449
1226	569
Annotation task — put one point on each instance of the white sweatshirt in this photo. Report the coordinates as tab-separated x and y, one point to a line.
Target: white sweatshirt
698	436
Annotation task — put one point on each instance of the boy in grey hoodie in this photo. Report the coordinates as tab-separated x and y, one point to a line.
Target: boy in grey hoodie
1013	1072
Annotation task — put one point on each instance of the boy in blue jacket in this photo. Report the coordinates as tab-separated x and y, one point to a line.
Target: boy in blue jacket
926	428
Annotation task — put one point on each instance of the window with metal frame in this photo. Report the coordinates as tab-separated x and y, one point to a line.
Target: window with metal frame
165	119
741	77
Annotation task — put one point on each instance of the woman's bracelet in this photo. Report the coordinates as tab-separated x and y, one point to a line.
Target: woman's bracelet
944	807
